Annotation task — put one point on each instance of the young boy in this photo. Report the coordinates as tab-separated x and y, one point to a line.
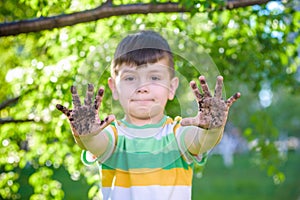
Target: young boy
147	155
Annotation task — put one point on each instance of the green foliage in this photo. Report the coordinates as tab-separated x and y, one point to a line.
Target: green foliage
45	186
248	46
9	186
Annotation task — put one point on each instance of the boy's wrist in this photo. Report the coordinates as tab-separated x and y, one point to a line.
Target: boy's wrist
211	128
81	140
215	129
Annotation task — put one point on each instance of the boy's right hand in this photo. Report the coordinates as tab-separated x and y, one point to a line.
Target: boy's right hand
84	118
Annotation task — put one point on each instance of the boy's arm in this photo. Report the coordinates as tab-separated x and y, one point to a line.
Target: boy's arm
207	127
86	126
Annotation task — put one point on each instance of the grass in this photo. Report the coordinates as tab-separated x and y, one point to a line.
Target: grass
244	181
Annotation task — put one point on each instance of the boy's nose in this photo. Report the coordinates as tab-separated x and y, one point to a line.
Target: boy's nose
143	89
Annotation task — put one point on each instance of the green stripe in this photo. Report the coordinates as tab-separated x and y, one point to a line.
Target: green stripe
141	145
127	162
146	153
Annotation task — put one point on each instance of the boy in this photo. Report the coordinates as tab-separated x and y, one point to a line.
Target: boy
147	155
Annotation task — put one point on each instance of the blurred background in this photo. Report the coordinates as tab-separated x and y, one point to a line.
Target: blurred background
253	44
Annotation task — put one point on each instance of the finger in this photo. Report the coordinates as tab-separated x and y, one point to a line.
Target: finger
189	121
195	121
219	86
107	121
196	91
204	86
75	97
233	98
89	95
99	98
63	109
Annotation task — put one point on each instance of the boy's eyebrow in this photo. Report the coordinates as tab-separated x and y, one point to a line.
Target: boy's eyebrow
128	70
155	71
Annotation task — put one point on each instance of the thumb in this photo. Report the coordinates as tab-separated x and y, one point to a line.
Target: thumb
189	121
110	118
104	123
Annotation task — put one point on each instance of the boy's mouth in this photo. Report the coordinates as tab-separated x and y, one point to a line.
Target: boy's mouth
142	101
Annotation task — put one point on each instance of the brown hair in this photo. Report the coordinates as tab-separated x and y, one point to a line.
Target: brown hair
142	48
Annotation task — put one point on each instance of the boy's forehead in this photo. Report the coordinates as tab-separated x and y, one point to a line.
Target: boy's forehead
160	65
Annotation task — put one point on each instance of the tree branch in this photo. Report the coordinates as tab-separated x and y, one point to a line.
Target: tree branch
232	4
8	102
13	100
104	11
11	120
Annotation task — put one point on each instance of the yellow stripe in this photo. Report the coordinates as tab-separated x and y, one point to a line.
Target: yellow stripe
170	177
115	134
177	120
107	177
168	121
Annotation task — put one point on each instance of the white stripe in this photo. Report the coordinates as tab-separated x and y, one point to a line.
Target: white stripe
156	133
148	193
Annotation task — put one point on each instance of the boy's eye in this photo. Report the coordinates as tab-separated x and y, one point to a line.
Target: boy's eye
129	78
155	78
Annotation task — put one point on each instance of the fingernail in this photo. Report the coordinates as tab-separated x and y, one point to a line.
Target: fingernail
59	107
237	95
193	85
202	78
100	92
90	87
73	89
182	123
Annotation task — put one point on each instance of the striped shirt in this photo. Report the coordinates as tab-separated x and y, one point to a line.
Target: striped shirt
146	162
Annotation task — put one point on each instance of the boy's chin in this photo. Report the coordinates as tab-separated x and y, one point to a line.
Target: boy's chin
150	112
148	118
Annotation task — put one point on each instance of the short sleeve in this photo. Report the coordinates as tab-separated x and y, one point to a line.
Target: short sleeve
88	158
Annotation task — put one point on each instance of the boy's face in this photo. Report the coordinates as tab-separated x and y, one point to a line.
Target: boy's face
143	92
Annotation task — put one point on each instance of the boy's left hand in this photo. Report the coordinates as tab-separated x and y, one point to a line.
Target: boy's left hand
213	110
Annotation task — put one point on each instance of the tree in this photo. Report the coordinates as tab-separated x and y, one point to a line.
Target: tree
250	46
106	10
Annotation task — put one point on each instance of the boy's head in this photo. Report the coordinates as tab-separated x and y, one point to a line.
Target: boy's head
139	49
142	77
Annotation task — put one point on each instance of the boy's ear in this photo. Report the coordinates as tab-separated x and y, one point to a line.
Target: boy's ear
173	87
112	86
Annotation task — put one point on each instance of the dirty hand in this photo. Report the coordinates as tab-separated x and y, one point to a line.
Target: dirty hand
213	110
84	118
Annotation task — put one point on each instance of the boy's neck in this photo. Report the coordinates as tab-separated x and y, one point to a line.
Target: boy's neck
142	122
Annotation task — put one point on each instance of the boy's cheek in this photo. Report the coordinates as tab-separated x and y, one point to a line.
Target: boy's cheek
115	95
113	87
